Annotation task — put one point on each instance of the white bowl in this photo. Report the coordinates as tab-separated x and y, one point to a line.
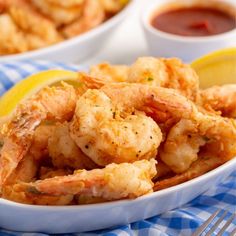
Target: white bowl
163	44
69	219
76	48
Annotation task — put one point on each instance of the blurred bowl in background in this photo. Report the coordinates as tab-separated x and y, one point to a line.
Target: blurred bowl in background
79	47
187	48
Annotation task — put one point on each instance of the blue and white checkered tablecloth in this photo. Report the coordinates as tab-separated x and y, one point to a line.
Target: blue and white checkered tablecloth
182	221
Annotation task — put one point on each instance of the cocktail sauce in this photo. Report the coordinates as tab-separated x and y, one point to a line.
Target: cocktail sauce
194	21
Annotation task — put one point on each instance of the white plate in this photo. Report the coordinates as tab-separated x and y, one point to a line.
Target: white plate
79	47
69	219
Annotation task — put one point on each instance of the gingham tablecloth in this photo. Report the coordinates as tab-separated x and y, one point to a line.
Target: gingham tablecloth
182	221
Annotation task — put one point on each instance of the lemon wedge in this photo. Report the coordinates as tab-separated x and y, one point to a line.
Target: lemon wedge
32	85
216	68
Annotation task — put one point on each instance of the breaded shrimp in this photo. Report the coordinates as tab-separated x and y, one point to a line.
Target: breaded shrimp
115	181
26	171
182	78
64	152
39	31
92	15
220	98
58	13
28	167
106	137
181	146
55	103
167	73
113	6
148	70
12	40
184	140
67	3
162	103
109	73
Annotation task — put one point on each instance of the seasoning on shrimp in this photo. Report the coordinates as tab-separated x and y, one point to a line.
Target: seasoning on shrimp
106	138
28	115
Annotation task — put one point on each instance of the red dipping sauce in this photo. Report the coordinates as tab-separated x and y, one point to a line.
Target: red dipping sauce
194	21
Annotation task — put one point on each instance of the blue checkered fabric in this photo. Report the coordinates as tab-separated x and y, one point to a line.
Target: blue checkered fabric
182	221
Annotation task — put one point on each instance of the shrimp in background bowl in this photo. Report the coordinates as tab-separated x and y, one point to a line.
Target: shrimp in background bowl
50	21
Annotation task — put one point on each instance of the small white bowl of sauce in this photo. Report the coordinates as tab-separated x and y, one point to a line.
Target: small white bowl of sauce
189	28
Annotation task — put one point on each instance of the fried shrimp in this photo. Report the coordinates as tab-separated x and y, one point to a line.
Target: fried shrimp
64	152
113	6
26	171
58	13
109	73
220	98
161	103
67	3
92	15
12	39
182	146
184	140
167	73
148	70
115	181
55	103
106	137
182	78
34	33
51	21
27	168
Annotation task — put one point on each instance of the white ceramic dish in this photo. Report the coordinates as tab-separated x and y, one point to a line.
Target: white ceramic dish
68	219
163	44
79	47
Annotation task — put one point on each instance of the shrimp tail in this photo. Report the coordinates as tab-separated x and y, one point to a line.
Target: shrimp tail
55	103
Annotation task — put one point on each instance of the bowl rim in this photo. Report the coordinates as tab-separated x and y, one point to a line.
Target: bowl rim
150	9
124	202
74	40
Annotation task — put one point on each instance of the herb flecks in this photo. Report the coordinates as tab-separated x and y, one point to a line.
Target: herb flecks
150	79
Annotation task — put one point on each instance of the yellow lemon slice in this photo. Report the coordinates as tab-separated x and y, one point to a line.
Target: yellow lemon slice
216	68
33	84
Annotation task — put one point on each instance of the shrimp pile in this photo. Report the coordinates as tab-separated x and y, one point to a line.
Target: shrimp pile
51	21
130	131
